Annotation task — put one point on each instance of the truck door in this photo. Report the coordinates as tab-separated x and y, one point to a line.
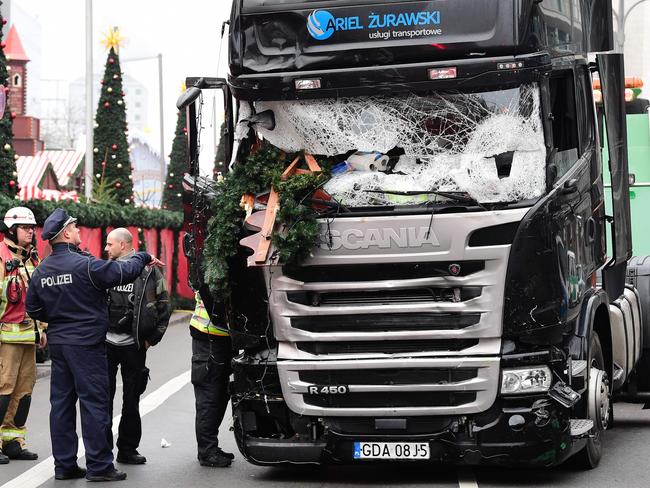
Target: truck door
610	68
208	106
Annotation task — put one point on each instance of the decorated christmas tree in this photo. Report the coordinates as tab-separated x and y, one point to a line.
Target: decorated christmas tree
112	164
8	173
173	191
220	162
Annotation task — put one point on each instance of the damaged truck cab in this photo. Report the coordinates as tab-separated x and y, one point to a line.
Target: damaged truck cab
461	304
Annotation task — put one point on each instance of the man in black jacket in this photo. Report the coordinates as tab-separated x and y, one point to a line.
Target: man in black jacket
138	315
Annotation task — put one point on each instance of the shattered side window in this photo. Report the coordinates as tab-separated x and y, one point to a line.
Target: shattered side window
489	145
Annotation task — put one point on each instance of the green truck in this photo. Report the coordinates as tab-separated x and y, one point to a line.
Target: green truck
638	146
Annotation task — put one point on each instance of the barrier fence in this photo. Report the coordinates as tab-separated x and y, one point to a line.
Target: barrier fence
162	243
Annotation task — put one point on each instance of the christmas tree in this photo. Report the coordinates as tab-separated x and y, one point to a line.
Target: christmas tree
112	164
220	162
173	191
8	172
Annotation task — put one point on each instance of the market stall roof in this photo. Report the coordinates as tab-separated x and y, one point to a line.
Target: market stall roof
64	163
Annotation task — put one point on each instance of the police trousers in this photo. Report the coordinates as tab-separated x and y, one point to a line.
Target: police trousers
210	376
17	378
135	376
80	372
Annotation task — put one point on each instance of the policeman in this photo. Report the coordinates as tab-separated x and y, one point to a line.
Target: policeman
68	290
19	333
211	357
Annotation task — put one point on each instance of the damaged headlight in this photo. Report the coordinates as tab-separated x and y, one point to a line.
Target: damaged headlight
525	380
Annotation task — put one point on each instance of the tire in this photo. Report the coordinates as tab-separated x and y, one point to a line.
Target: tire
590	456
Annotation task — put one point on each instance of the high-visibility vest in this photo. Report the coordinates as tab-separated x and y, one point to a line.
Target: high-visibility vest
15	326
201	321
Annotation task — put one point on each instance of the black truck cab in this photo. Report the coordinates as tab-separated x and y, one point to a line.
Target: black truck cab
470	330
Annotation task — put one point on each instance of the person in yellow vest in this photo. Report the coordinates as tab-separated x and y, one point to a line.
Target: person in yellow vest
18	333
211	357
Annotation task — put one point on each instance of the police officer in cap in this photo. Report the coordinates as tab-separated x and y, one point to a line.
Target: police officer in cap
68	291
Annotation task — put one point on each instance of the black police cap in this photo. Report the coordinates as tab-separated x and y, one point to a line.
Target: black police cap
55	223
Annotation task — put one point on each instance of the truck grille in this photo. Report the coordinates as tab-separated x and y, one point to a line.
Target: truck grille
390	400
406	376
387	297
391	387
372	272
386	347
410	328
385	322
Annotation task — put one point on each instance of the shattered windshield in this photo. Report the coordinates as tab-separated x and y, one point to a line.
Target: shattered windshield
488	145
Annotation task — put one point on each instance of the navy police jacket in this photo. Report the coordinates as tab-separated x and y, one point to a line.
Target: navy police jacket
68	291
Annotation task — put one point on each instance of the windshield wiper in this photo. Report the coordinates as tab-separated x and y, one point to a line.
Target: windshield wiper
457	196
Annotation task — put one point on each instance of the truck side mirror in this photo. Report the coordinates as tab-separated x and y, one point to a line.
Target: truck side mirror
610	67
188	96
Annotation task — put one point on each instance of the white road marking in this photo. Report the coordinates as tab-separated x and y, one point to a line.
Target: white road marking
44	470
466	479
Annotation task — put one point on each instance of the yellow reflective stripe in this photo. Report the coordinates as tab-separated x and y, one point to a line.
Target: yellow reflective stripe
201	320
209	329
3	299
22	340
12	433
18	336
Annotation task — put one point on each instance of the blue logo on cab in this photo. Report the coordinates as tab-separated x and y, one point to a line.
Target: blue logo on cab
320	24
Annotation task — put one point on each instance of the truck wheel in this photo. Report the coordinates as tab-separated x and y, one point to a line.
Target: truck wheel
598	406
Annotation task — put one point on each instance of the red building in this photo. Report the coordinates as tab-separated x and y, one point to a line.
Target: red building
27	130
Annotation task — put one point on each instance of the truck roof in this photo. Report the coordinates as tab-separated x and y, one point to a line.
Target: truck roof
257	6
288	36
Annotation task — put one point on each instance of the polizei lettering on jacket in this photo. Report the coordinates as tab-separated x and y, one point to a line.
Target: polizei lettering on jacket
63	279
403	237
322	24
124	288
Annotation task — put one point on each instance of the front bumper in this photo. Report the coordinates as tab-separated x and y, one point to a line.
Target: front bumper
541	439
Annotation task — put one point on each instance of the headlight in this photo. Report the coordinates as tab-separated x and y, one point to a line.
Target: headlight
525	380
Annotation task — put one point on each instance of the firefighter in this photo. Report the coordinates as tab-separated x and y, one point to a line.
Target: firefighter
18	333
69	292
211	357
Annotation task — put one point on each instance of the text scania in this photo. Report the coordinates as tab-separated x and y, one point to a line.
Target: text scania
353	239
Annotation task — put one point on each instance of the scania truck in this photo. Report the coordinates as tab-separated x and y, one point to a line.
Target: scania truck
460	304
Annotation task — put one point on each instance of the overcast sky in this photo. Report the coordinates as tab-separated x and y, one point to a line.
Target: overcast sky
187	34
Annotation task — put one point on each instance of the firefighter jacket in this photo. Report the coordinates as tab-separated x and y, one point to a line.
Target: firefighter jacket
17	265
201	327
68	290
141	308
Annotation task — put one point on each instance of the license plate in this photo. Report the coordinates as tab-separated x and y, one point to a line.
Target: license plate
391	450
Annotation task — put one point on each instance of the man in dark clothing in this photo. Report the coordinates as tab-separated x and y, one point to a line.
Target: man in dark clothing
211	357
138	315
68	291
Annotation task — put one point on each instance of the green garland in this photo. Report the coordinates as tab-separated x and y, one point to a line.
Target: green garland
99	214
258	173
300	228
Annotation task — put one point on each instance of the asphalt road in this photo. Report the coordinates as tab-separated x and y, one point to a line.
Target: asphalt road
169	414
